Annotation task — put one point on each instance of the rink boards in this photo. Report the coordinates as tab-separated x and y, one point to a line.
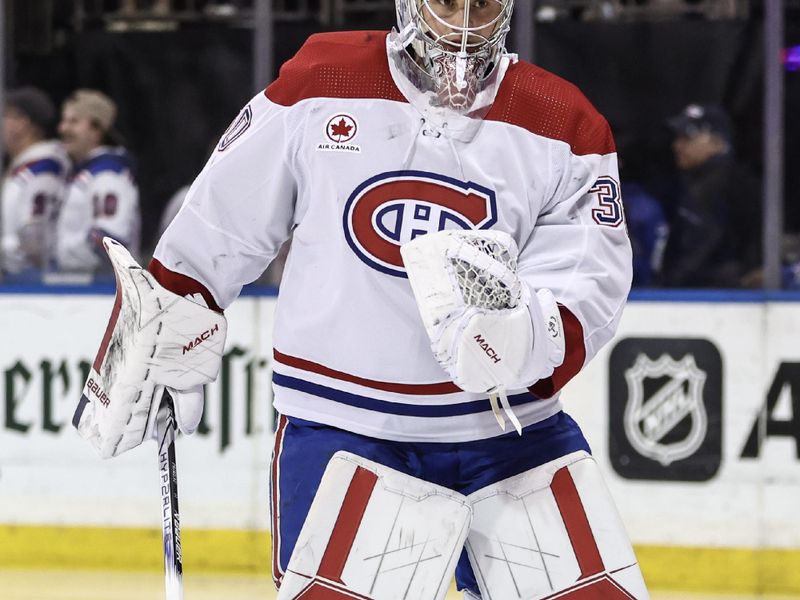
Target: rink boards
693	412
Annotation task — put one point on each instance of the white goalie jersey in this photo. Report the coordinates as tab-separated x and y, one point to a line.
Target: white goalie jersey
31	190
102	199
336	153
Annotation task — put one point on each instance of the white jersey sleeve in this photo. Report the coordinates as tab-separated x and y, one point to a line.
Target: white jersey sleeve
579	249
240	209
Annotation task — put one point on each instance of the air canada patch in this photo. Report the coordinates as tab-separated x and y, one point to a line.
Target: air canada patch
240	124
340	130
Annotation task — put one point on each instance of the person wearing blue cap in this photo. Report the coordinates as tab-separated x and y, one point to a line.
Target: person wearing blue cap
715	227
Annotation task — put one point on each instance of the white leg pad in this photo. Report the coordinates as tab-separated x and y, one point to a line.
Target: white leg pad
375	533
552	532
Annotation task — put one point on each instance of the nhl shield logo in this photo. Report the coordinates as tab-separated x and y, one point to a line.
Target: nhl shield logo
665	409
649	418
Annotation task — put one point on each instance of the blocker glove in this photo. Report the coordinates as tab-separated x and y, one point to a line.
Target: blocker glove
154	339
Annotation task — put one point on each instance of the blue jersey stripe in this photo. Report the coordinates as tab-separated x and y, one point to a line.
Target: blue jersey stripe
44	165
116	162
394	408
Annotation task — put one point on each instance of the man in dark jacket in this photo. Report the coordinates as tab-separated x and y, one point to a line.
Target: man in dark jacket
715	232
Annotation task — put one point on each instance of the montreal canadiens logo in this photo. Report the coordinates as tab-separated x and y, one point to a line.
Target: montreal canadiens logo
392	208
341	129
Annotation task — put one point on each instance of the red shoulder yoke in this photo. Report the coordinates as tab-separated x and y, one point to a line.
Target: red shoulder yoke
351	64
547	105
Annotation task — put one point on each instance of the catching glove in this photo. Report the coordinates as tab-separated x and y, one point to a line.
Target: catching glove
479	316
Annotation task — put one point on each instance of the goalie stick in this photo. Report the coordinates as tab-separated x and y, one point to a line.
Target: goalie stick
170	518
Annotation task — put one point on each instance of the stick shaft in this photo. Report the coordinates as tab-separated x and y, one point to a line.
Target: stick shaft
170	517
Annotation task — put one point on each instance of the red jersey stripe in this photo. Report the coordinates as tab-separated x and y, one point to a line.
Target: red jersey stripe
420	389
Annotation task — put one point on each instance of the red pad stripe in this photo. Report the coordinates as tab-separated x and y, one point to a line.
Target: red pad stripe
347	524
180	284
323	590
573	359
577	523
277	574
600	589
421	389
112	322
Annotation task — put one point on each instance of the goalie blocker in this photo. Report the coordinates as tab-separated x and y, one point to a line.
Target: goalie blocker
154	339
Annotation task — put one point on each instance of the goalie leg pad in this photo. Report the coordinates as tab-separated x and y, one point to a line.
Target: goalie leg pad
552	532
373	532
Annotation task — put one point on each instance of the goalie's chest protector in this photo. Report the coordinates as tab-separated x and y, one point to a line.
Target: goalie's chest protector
371	173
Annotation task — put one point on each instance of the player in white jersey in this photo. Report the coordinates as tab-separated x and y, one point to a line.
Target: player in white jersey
459	253
33	181
102	197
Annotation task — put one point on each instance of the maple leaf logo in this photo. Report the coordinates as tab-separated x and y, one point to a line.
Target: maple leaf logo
341	128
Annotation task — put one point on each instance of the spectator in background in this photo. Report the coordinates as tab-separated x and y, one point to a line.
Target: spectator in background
648	230
790	265
156	7
33	181
715	234
644	215
102	198
790	251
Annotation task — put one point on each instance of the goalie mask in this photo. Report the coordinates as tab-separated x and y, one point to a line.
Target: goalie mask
456	44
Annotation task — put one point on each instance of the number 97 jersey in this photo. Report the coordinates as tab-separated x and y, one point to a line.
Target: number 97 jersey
344	153
33	183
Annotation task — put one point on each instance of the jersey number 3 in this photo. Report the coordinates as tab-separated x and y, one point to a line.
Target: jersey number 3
609	198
